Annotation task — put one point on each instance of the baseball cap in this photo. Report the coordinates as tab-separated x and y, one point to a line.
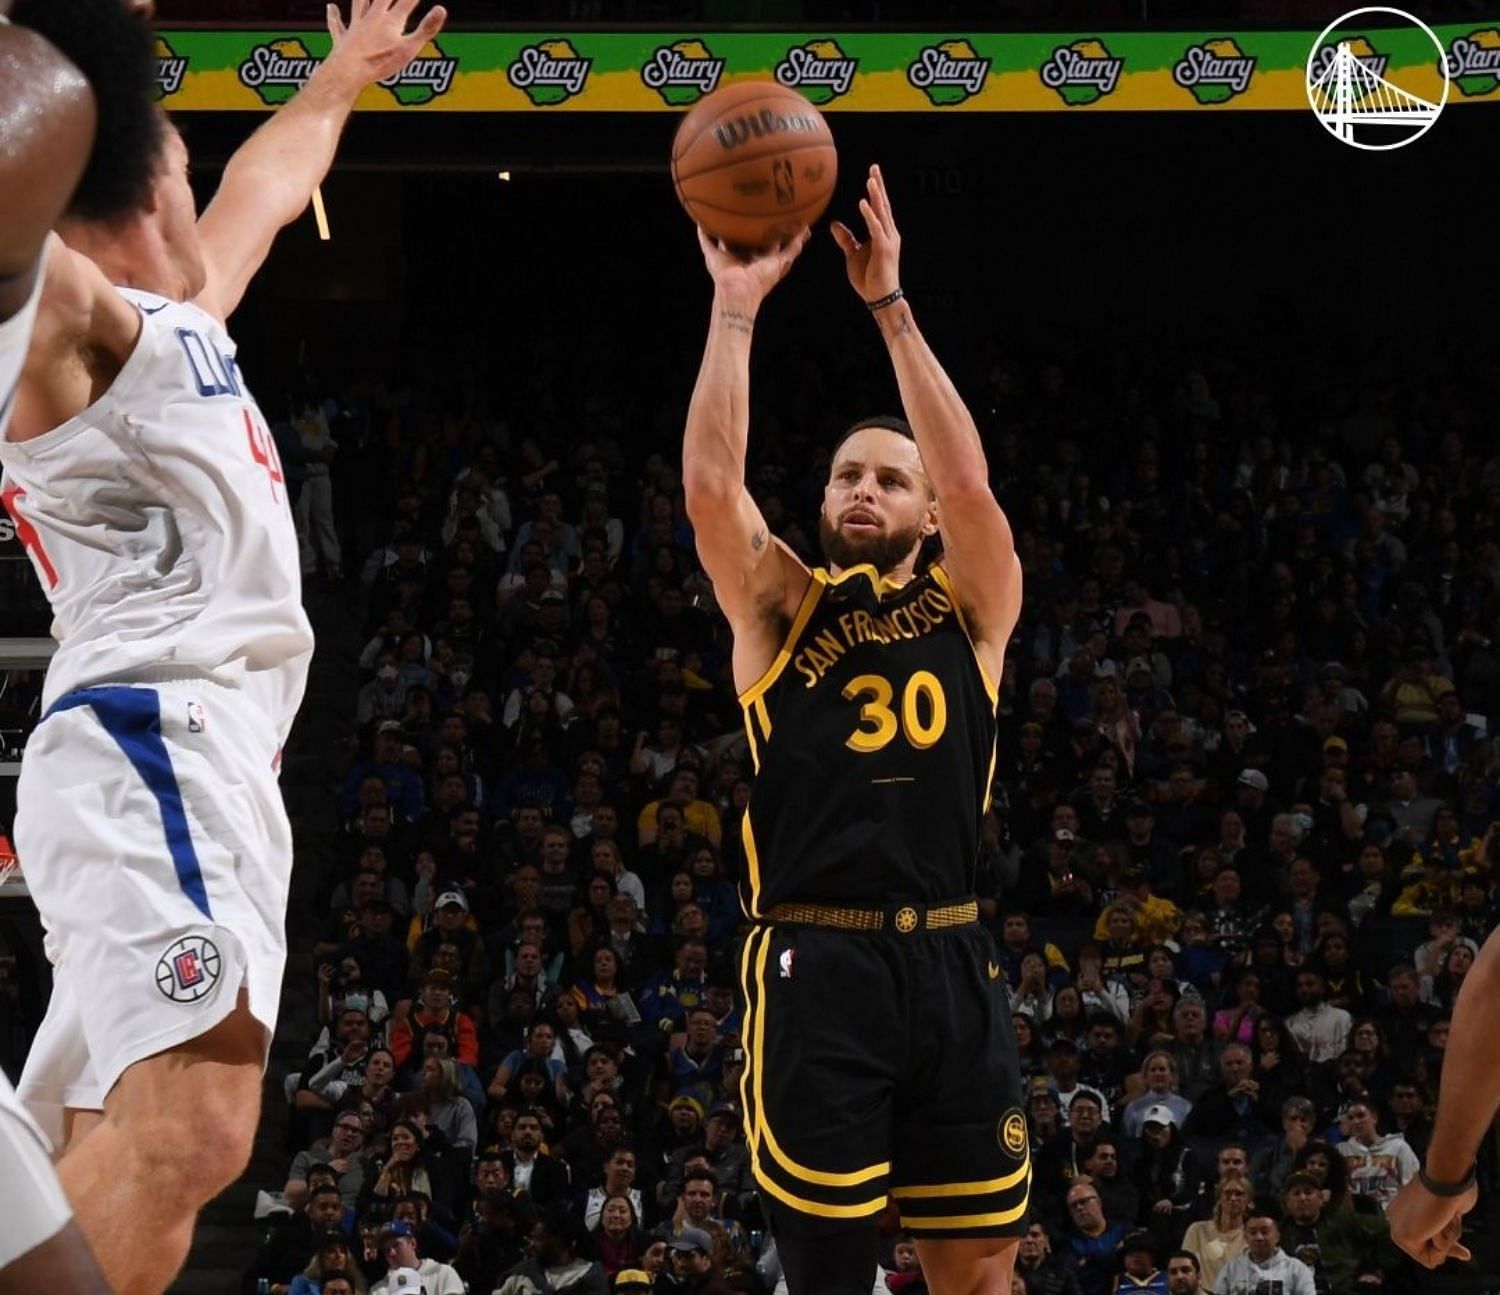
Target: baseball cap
1041	1086
396	1228
725	1110
1105	670
1331	670
1161	1113
1062	834
1254	778
692	1239
390	726
438	976
632	1279
405	1279
1138	663
1336	743
552	596
452	897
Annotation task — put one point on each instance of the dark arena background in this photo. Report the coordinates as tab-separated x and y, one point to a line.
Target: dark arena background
1226	371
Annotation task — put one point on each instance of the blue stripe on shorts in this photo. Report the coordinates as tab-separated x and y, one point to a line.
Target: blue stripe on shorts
132	716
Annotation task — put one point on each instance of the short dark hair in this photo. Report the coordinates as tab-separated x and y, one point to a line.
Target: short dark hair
886	422
1189	1256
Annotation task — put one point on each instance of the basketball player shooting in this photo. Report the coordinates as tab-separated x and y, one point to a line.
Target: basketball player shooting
144	483
880	1056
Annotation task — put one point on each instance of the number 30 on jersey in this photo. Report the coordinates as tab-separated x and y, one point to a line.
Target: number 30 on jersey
923	712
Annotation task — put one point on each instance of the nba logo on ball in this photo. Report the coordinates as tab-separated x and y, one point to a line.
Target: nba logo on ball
195	717
1013	1132
189	969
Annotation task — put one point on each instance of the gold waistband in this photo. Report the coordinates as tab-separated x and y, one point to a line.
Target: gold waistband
903	919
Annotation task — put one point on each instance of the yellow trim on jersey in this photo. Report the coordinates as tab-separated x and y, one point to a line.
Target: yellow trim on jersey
997	1220
752	862
883	584
963	1189
763	714
989	778
761	1126
754	746
990	686
815	586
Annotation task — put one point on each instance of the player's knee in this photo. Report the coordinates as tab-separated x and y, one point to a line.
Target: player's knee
196	1150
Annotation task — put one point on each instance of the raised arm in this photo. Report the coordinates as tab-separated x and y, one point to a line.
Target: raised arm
757	580
270	179
979	552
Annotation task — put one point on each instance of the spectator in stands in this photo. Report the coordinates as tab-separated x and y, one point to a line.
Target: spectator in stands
295	1240
341	1151
1159	1071
398	1248
1093	1240
1321	1031
541	1177
1183	1276
1221	1237
1234	1107
1138	1270
1349	1252
334	1262
1264	1265
1042	1271
617	1237
1379	1165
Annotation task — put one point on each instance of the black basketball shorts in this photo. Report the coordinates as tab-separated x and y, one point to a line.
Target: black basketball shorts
884	1064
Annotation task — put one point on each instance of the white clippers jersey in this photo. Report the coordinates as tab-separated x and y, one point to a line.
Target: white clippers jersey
158	523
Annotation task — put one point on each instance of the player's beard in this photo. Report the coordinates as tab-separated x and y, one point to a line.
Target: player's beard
884	551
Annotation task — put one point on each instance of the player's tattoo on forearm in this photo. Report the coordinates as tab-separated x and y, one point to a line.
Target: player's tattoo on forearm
758	540
737	320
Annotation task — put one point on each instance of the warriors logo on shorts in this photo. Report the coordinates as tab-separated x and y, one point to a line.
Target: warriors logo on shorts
189	969
1013	1133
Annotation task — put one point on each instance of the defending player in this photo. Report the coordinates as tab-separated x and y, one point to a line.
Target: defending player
145	486
877	1023
49	109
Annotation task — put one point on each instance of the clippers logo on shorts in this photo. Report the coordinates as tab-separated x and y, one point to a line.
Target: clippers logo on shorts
682	73
1013	1136
195	717
190	968
787	959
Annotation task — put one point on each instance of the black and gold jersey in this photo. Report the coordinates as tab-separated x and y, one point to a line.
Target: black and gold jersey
873	739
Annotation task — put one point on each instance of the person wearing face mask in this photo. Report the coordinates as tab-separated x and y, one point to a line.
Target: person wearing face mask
384	697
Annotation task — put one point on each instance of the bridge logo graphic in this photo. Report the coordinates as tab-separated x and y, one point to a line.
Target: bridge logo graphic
1351	93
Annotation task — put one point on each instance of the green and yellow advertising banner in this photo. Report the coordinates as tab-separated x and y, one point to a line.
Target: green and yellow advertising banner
876	71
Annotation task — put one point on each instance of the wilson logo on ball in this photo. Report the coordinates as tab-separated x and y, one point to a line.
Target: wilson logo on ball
549	72
819	69
682	73
757	125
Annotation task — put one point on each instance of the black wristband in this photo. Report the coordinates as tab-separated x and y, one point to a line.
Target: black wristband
1448	1190
889	299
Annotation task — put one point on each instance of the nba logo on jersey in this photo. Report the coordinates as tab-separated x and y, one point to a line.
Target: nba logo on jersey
786	963
195	717
189	969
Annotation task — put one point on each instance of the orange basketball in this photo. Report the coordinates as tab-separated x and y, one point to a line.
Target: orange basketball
754	164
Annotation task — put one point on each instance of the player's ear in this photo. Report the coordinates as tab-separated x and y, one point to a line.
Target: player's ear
930	523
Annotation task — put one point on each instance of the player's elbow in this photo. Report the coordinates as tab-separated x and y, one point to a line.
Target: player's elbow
708	491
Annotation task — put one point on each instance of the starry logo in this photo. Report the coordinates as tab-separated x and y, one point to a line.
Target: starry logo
171	68
549	72
427	77
683	73
819	69
1214	71
278	70
1083	72
949	72
1473	62
1363	53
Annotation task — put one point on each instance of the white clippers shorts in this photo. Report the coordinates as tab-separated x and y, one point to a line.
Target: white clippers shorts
154	840
35	1208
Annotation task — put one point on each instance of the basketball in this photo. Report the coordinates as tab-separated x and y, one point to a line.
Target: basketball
754	164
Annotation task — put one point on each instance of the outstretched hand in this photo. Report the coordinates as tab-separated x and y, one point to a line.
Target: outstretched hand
874	266
750	280
374	42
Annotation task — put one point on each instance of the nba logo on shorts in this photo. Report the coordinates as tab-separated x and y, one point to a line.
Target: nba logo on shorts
787	958
189	969
195	717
